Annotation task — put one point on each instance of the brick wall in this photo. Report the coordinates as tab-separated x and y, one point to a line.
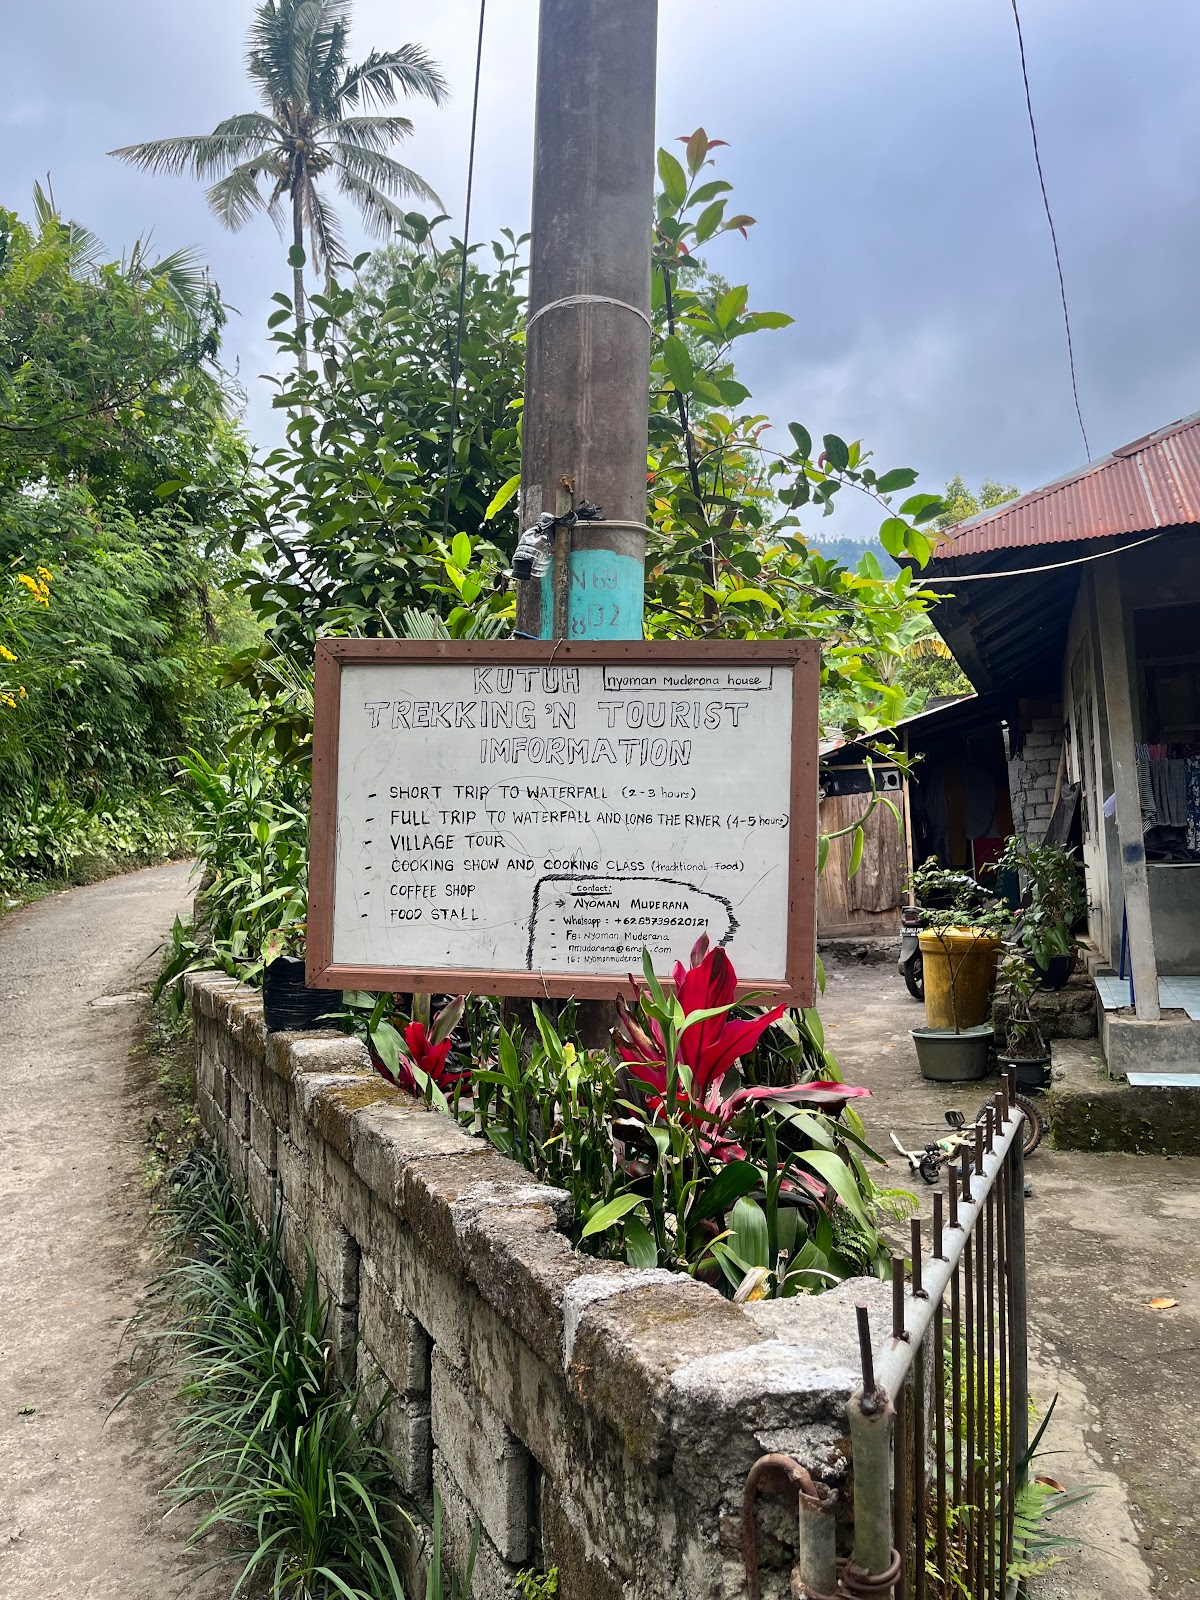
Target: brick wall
584	1415
1033	770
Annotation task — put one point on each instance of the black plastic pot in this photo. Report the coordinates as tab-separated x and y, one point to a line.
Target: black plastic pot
1057	974
948	1057
289	1005
1033	1072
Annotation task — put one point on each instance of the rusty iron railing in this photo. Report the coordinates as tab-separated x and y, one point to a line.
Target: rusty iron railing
940	1425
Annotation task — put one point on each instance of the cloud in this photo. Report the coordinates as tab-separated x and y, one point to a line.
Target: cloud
883	148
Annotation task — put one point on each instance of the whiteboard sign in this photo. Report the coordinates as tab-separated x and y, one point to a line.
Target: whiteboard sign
527	818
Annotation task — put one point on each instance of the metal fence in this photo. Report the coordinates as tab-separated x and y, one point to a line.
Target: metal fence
940	1426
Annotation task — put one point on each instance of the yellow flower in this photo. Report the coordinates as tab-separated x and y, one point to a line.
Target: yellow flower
37	588
44	574
7	700
6	654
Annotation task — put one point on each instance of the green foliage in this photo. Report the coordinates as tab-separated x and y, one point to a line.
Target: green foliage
961	502
1016	985
279	1451
311	128
728	555
116	448
105	367
1053	896
532	1585
250	823
361	475
45	834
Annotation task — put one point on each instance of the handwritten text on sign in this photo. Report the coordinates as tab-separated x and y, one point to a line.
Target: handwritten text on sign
558	819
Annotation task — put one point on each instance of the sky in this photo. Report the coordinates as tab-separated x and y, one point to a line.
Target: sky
882	145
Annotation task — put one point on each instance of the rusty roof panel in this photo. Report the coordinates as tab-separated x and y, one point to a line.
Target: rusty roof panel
1152	483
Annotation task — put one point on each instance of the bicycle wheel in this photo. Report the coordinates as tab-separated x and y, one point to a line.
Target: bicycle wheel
1035	1122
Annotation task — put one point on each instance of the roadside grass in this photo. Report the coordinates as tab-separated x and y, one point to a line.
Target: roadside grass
164	1054
278	1452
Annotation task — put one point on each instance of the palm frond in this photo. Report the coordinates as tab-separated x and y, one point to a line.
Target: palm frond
381	217
249	125
235	198
286	43
86	248
206	155
386	74
381	171
183	274
324	229
372	133
930	644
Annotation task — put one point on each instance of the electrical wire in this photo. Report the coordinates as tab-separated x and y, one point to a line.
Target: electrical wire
456	368
1025	572
1062	287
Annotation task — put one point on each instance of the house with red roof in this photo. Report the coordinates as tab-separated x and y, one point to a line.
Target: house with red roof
1076	610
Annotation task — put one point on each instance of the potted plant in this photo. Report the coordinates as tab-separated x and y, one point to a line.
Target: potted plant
289	1005
1022	1044
1052	902
958	950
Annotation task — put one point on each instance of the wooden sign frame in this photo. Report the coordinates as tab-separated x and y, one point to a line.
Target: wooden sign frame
802	656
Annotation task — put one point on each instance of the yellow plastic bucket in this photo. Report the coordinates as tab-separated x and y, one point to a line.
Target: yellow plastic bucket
960	970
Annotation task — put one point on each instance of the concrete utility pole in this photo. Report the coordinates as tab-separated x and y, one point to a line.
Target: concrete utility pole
587	364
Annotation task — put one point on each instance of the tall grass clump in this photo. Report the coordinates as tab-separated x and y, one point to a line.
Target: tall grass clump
279	1452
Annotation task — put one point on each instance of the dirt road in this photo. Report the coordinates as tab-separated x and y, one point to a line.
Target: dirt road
78	1509
1107	1234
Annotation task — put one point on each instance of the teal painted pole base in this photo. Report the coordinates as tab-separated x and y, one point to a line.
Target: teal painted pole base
606	597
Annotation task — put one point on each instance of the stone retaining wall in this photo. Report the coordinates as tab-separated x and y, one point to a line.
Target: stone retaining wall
583	1414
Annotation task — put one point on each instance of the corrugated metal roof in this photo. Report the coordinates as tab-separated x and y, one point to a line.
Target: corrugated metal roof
1154	482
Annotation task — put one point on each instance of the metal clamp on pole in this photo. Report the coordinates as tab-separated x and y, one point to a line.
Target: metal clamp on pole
872	1572
815	1502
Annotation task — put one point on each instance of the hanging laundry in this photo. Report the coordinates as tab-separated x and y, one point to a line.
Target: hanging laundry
1169	783
1192	764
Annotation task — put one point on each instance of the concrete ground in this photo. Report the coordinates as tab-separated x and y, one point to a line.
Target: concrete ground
1107	1234
79	1512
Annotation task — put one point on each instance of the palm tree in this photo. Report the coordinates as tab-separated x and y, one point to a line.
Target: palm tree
296	57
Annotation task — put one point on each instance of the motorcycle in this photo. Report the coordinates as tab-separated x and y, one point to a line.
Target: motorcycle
911	966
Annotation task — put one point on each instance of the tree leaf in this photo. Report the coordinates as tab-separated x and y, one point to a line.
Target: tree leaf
709	221
893	536
803	439
674	180
837	452
731	305
502	496
897	478
678	364
697	149
460	551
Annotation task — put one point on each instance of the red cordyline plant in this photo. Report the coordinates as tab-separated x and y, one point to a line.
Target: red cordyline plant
417	1058
682	1047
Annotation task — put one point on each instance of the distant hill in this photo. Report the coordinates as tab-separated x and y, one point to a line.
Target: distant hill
851	551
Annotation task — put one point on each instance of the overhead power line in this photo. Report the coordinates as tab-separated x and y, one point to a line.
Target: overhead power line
1062	287
456	373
